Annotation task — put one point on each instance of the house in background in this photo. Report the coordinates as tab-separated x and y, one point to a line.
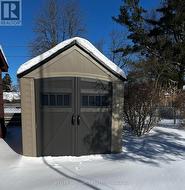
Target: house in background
3	68
71	101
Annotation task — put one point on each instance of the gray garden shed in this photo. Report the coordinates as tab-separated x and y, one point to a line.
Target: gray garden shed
71	101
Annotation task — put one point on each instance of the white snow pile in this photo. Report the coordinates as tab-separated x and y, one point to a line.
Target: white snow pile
10	96
155	161
1	49
85	44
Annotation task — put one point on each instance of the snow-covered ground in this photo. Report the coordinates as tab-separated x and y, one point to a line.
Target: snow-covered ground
153	162
10	96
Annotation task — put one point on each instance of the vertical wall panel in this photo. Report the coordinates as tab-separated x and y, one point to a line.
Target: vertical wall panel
117	116
28	116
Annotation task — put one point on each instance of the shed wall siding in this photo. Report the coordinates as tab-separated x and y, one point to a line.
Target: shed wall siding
28	116
75	63
117	116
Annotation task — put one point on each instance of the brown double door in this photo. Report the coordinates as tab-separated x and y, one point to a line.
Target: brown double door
73	116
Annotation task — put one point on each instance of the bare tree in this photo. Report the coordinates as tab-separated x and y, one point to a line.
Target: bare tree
117	40
57	21
72	19
100	44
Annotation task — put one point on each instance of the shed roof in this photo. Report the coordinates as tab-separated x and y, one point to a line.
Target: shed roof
3	61
80	42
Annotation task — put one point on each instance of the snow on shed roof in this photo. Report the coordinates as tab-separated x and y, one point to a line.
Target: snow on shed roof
85	44
1	49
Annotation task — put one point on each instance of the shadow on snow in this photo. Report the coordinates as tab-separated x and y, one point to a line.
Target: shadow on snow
161	145
154	148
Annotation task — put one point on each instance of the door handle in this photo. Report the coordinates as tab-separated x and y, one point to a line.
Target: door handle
73	119
78	120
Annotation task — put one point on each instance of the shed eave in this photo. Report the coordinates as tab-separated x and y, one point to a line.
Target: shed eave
74	42
3	61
